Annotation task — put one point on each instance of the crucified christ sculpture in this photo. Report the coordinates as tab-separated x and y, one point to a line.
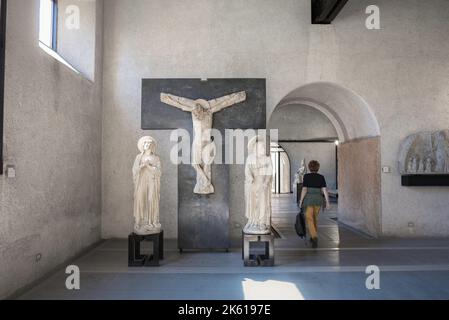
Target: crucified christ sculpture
203	148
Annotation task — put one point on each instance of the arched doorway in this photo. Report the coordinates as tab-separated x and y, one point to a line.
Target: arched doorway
356	129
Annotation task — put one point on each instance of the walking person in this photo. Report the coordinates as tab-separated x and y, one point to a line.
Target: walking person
314	196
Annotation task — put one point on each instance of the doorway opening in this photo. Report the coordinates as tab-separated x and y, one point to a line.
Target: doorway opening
350	157
281	170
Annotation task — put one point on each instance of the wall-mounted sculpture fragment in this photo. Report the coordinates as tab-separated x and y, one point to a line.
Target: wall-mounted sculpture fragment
425	153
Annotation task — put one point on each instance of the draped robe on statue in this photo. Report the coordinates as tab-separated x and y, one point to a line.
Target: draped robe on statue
258	180
147	181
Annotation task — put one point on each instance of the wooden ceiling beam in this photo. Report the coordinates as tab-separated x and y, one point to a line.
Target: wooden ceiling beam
325	11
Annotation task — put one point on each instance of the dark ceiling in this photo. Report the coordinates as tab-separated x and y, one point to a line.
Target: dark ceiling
325	11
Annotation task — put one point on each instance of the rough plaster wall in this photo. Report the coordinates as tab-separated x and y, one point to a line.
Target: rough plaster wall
53	137
77	46
359	182
400	70
322	152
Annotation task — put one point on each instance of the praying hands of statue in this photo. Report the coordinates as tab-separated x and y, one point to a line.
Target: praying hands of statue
148	163
150	166
145	163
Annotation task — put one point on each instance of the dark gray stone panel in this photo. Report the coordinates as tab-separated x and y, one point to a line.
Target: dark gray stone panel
203	220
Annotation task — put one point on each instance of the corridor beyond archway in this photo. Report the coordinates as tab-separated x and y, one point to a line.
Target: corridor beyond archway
357	131
281	170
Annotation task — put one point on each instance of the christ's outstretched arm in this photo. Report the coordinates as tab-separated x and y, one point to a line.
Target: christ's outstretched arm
227	101
178	102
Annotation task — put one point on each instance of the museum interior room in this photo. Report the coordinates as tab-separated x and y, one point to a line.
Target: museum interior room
224	150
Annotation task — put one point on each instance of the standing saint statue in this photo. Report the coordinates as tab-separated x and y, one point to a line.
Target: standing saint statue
203	147
258	180
147	185
298	180
299	175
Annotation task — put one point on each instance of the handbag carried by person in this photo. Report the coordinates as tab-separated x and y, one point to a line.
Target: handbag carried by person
300	225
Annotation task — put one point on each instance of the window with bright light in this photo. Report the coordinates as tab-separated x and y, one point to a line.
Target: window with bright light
48	22
67	32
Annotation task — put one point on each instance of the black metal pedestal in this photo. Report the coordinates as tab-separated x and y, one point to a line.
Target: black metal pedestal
136	259
255	260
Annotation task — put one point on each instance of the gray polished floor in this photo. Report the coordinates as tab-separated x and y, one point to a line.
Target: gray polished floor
409	269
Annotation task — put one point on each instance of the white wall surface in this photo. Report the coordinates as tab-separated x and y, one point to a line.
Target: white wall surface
53	138
76	44
301	122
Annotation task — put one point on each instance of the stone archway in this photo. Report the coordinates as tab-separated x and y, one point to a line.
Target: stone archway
359	150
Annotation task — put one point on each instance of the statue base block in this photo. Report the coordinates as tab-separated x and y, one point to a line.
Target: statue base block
136	259
251	259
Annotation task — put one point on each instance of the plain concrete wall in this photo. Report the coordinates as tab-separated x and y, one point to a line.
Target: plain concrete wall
400	71
359	204
77	45
53	138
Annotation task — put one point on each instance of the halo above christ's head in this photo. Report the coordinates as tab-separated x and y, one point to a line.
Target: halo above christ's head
143	140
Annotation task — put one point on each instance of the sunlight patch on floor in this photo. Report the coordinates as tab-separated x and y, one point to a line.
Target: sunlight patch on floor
270	290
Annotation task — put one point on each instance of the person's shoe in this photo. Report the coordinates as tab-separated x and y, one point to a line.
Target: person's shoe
314	243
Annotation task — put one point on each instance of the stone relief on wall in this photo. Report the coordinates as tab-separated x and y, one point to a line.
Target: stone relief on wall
425	153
